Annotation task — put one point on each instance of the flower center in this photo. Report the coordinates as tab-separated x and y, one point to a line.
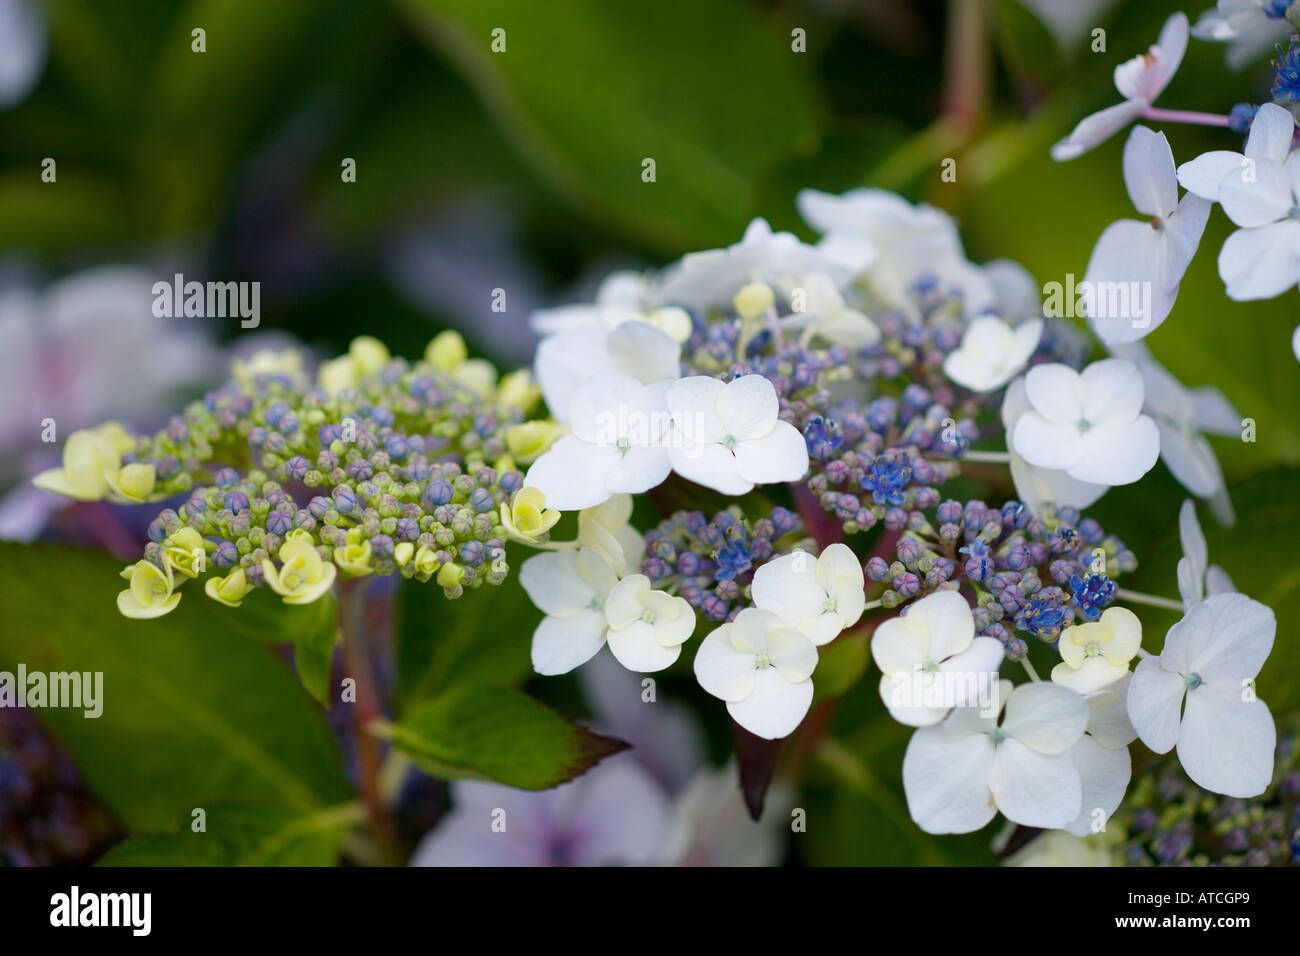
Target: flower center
1194	681
1092	649
998	735
729	443
648	616
761	661
828	604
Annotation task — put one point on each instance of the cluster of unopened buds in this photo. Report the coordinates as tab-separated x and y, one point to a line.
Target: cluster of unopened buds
791	416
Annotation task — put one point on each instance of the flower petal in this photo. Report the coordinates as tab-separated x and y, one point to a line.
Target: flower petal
1118	456
636	648
1155	698
1112	392
1048	718
788	587
1261	263
1149	173
1104	775
775	707
946	781
722	670
780	455
1226	744
1035	789
1055	391
748	407
561	644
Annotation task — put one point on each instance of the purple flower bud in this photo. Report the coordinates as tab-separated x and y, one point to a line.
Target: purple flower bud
438	492
345	500
784	521
907	585
225	556
481	500
296	468
949	512
279	523
877	569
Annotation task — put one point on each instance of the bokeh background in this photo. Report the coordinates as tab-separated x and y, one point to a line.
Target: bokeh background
522	171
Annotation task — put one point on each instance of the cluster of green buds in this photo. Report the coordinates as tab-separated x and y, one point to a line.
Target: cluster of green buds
380	466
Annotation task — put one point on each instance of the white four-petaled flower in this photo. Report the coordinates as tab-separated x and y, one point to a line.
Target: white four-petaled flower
730	436
620	427
646	627
959	773
931	653
1224	734
762	668
819	596
1088	424
1096	653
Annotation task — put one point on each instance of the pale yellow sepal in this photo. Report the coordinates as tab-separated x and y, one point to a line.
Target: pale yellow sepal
151	591
229	590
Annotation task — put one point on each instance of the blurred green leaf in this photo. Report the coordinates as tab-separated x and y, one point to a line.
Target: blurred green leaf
54	217
191	714
239	835
843	160
495	733
588	91
481	638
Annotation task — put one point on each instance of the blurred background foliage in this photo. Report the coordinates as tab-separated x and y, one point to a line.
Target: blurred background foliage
522	170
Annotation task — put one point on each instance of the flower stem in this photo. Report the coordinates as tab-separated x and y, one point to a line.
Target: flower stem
366	711
1137	597
999	457
1029	669
1184	116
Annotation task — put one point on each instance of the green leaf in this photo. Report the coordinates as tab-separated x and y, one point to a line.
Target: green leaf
192	714
481	638
241	835
588	91
313	650
312	629
495	733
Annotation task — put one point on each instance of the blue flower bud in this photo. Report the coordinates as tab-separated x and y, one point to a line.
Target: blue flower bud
438	492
